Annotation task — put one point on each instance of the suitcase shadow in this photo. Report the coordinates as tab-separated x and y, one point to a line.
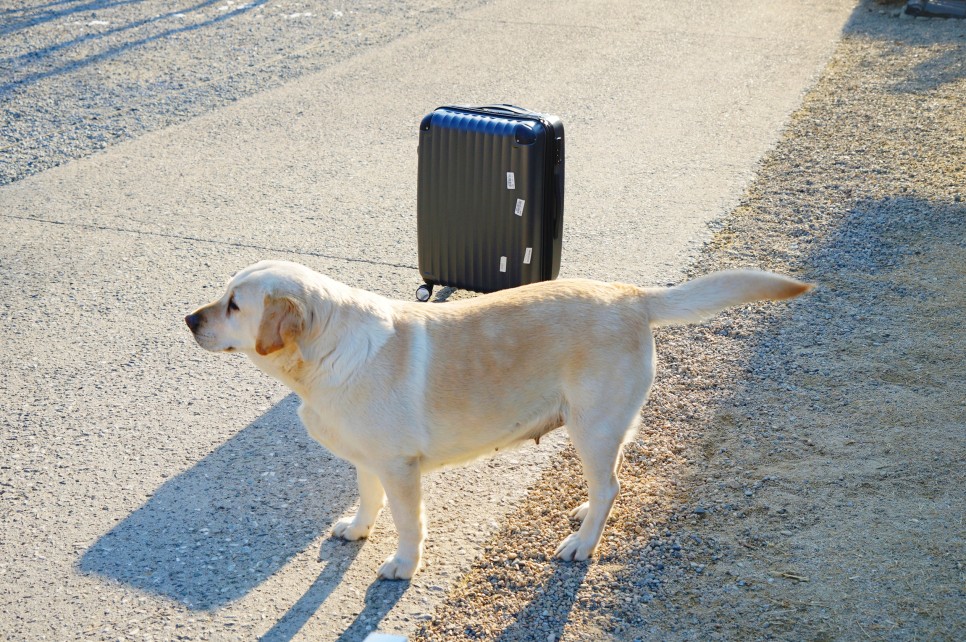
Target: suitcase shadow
215	532
444	294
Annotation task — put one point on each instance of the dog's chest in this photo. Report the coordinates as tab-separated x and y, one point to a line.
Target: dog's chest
331	434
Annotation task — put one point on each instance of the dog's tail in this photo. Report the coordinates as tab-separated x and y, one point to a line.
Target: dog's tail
705	296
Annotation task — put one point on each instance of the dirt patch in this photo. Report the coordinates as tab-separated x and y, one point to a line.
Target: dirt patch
799	472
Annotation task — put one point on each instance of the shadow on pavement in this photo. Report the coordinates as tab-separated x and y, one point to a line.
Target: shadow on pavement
37	56
25	17
218	530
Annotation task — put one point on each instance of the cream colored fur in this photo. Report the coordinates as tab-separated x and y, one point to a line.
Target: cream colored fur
400	388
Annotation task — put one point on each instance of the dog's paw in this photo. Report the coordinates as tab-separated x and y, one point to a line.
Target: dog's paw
350	529
398	568
580	512
574	549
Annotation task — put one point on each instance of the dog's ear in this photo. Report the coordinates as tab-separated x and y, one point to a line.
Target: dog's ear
283	320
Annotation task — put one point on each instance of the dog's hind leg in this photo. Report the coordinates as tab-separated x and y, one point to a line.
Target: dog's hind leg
580	512
600	453
372	498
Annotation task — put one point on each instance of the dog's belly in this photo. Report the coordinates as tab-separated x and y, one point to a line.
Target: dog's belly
434	446
474	438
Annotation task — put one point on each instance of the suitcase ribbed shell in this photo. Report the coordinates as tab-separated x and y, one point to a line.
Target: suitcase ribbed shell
478	228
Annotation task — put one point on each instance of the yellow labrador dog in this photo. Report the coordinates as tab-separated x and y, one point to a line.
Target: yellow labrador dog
401	388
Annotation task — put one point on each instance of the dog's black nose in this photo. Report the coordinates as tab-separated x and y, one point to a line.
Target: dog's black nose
193	321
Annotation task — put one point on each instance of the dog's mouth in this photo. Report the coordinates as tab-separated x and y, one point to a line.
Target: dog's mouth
209	343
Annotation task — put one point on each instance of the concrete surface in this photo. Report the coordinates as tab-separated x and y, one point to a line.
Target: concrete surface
153	490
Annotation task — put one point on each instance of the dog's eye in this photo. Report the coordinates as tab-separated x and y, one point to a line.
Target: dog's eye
232	306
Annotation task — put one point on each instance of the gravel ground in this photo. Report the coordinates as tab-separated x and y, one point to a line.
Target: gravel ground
76	76
798	473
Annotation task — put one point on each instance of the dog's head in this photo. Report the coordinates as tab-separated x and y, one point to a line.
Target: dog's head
262	311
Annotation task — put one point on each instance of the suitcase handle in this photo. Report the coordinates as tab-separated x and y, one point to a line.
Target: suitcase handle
513	109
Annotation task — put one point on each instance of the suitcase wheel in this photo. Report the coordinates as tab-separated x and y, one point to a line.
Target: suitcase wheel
423	292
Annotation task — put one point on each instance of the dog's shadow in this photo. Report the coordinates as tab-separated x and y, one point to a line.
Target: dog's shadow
550	608
338	555
215	532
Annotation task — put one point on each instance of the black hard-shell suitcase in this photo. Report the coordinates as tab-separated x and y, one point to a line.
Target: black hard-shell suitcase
490	198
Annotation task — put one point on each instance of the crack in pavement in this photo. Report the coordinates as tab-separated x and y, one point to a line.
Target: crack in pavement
181	237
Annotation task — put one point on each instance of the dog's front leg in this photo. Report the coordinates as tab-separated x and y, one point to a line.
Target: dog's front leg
402	483
372	498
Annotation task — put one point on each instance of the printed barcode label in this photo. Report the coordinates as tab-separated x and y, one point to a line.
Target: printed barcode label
502	264
511	182
518	210
527	255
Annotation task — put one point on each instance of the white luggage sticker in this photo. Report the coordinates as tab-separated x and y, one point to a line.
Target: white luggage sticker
511	182
527	255
502	264
518	210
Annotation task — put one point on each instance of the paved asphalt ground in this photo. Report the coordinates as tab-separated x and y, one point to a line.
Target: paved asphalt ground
151	490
